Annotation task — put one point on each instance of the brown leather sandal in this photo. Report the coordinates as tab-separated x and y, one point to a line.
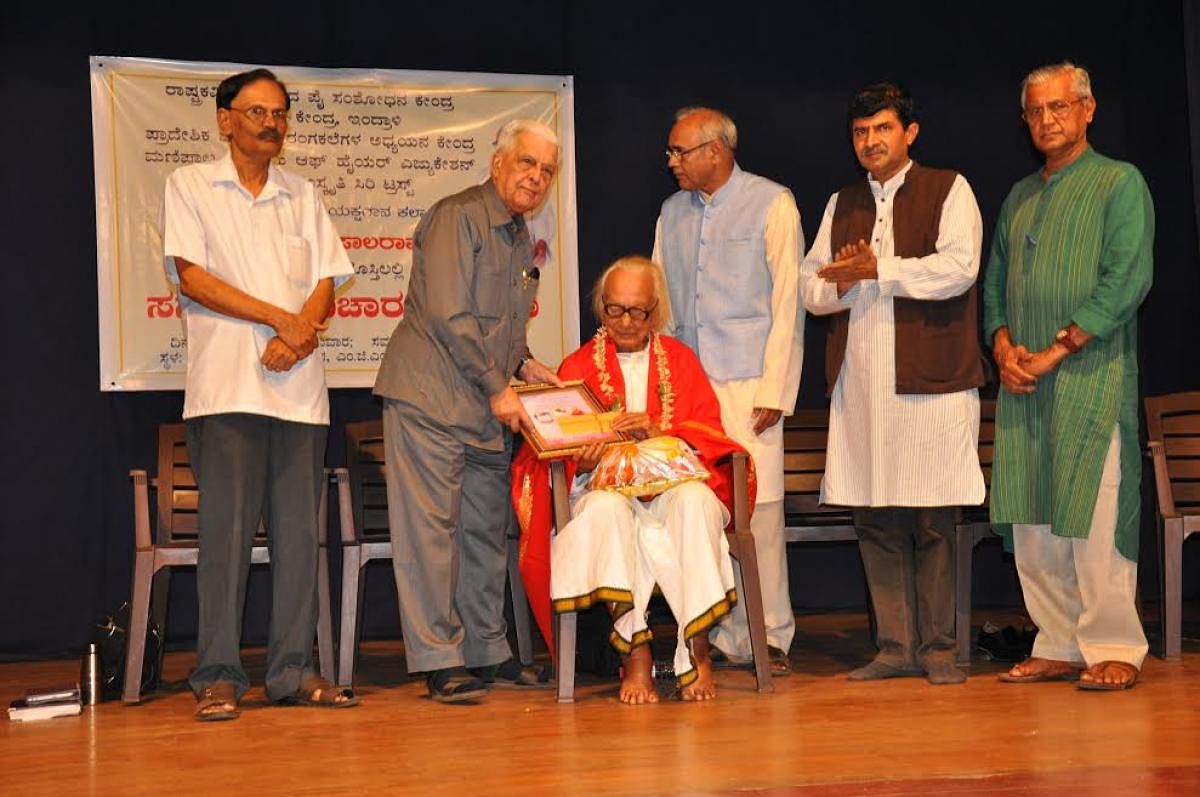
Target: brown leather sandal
218	701
318	691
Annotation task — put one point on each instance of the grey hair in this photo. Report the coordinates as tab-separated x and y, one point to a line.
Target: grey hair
717	125
1081	82
638	264
506	139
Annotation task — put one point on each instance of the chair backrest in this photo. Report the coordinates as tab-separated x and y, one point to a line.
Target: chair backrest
1173	423
178	495
805	439
364	460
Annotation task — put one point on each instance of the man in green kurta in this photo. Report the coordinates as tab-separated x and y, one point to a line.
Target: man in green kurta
1070	264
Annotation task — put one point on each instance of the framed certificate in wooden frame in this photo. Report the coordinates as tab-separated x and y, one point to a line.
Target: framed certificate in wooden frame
565	419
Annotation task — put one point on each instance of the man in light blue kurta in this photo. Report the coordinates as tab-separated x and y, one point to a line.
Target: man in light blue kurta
730	243
1070	264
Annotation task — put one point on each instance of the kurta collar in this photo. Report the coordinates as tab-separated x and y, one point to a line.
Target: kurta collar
226	172
723	193
1087	155
893	183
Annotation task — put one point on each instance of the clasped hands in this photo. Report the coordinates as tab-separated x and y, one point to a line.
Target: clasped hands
851	263
1019	367
296	337
637	425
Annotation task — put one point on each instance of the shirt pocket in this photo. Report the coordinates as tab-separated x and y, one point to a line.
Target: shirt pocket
298	263
492	290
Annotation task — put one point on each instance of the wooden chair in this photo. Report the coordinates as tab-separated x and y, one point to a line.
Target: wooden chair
362	509
1173	429
805	440
174	542
741	549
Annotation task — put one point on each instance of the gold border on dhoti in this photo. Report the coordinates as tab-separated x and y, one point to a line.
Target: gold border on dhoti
598	595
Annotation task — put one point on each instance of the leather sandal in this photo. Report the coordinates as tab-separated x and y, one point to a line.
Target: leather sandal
318	691
777	660
454	685
512	674
217	701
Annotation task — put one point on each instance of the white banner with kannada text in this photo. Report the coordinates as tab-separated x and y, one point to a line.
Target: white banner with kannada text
381	145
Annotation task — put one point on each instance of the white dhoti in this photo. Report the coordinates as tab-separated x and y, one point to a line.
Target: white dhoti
1080	592
615	549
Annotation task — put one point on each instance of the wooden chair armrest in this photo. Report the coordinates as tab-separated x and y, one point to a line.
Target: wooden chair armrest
741	497
1162	479
341	477
561	494
141	509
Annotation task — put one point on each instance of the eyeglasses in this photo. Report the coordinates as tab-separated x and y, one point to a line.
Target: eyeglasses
259	114
636	314
1057	108
681	153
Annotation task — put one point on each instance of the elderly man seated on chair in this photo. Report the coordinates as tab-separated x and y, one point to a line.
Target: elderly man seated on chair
616	548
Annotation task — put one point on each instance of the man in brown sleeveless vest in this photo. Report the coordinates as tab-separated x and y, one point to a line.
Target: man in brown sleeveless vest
894	265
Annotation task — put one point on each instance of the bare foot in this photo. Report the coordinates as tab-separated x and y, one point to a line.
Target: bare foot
705	686
1034	669
637	684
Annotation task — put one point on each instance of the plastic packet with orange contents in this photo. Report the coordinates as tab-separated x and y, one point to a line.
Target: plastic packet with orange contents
647	468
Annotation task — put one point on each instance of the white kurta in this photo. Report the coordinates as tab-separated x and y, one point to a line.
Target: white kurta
619	548
887	449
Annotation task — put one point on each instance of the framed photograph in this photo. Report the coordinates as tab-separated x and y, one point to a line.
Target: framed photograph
565	419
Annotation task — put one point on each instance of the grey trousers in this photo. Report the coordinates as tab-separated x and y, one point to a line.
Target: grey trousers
249	466
448	510
908	555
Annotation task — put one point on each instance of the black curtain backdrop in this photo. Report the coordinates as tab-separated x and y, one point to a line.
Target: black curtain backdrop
66	543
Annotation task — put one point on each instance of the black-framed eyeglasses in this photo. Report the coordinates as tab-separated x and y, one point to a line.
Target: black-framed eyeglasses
636	314
259	114
1057	108
681	153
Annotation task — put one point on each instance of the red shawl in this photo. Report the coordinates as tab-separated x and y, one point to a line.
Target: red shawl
693	415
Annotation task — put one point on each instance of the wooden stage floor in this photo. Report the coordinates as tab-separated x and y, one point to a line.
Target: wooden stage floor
818	734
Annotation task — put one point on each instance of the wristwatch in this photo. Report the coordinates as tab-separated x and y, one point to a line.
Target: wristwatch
1063	336
521	364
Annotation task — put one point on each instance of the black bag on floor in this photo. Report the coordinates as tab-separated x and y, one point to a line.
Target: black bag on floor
112	639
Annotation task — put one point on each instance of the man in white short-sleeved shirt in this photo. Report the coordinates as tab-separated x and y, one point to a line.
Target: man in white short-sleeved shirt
256	259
